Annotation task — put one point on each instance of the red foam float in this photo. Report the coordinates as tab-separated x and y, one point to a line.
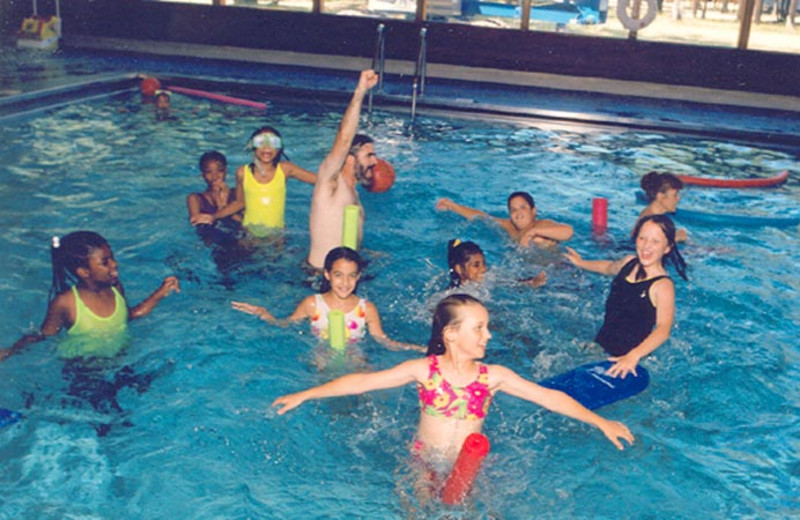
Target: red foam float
599	215
218	97
459	482
735	183
382	177
149	86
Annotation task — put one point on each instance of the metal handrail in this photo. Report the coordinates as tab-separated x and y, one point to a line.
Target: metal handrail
418	88
378	63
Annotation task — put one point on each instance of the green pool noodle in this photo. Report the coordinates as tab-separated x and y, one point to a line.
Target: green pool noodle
336	329
350	227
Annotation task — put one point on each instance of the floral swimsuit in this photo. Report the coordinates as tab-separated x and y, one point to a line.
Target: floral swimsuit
355	321
439	398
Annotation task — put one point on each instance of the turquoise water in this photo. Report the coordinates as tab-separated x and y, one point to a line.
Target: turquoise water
193	435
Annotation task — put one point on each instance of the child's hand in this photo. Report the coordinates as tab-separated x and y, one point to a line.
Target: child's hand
288	402
623	365
202	218
536	281
169	286
528	238
573	257
255	310
614	431
444	204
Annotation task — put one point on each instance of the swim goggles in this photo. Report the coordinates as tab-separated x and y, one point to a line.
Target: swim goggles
270	140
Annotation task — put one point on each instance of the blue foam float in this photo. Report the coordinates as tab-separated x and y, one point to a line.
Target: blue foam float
593	388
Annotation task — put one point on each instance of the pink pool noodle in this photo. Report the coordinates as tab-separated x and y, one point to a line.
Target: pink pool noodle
218	97
459	482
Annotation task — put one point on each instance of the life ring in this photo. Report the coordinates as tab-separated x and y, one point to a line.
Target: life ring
633	24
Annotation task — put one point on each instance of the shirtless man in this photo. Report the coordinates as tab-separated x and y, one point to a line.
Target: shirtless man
522	226
350	160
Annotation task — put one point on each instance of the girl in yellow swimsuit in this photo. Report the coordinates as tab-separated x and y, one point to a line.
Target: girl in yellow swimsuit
455	388
95	304
261	185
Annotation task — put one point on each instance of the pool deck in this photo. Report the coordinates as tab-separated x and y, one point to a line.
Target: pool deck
767	119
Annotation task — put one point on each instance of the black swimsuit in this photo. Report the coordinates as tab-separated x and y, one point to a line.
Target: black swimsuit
630	315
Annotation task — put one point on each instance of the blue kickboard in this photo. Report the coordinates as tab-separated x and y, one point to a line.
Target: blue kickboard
589	385
8	417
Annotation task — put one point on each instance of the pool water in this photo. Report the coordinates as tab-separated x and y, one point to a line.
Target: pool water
179	424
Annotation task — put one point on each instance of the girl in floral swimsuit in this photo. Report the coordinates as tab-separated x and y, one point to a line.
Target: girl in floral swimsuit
455	388
338	291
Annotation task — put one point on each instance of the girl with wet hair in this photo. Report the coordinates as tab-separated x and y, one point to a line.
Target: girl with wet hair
455	387
86	296
663	192
261	185
640	308
340	278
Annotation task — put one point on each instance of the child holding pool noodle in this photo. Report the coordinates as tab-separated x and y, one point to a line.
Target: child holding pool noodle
261	185
455	388
640	308
94	305
338	293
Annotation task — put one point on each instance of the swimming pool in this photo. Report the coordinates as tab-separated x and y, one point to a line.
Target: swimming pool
717	430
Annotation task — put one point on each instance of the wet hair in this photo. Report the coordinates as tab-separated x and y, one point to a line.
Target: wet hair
447	315
68	254
523	194
654	183
459	253
668	228
339	253
271	130
213	155
358	141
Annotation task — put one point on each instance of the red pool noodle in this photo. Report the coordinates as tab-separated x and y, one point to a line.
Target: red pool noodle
599	215
218	97
459	482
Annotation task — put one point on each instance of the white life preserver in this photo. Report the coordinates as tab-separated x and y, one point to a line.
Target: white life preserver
633	24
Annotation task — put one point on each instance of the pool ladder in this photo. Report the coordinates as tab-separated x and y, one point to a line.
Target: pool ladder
378	62
418	88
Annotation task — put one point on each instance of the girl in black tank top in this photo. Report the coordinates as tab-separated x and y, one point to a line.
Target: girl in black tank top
639	312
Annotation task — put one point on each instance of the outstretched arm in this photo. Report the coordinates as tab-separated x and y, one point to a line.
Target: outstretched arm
508	381
296	172
663	298
168	286
55	319
332	164
304	310
376	331
607	267
353	384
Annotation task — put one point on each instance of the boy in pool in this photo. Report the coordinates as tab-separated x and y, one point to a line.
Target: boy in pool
522	226
663	192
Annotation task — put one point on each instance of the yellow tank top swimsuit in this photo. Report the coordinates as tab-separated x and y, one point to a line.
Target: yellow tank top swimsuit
87	322
264	204
92	335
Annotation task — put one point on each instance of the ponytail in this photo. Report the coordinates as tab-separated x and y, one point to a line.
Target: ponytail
68	254
459	253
